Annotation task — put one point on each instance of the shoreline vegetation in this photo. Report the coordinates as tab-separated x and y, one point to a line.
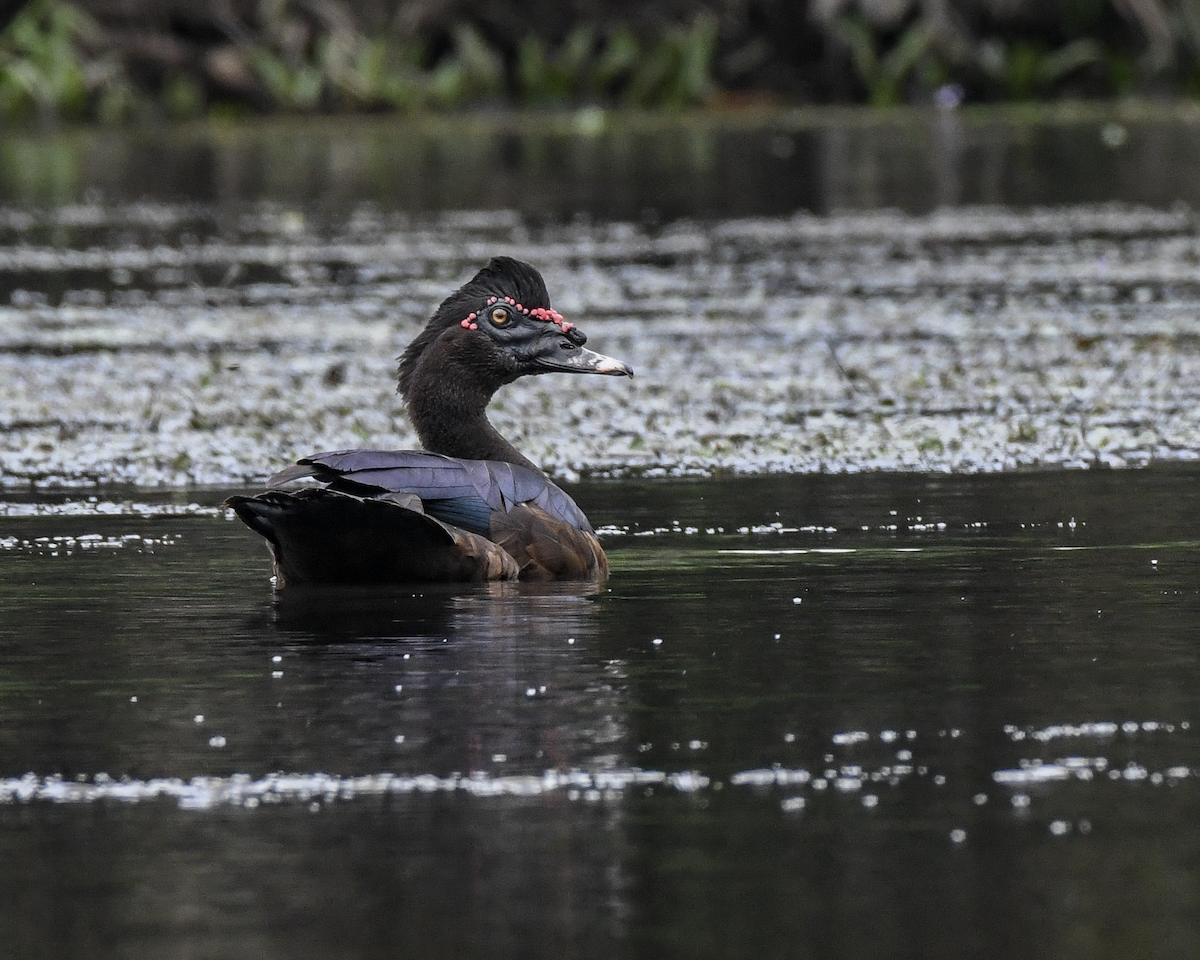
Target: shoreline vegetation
118	61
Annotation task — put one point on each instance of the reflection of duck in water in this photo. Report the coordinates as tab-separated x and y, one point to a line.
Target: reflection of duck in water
462	673
436	613
472	507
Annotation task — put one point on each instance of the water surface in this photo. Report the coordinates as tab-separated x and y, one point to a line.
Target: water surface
620	166
927	712
869	716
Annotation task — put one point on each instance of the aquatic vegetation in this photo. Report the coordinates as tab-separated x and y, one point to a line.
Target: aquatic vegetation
673	71
161	363
58	64
46	73
1024	71
70	61
883	73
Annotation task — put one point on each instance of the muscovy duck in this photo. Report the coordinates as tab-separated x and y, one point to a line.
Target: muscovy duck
467	508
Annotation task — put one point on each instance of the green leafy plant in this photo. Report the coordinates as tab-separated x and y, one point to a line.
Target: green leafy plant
616	60
376	72
354	71
883	73
1025	70
41	71
472	71
291	86
48	69
543	76
674	70
307	56
677	70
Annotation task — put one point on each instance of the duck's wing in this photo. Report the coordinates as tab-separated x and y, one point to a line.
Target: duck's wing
377	516
322	536
465	493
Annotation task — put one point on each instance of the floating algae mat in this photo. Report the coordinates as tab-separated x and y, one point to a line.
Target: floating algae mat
963	340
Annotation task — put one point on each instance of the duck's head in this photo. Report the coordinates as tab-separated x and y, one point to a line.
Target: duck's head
500	325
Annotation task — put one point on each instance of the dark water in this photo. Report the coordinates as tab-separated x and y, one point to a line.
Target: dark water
801	720
616	166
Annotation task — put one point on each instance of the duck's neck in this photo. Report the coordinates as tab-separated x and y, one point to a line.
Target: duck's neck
459	434
447	405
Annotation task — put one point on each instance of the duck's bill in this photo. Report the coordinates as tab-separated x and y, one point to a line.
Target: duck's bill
583	360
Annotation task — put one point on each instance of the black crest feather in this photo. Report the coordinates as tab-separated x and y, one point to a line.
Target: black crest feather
502	277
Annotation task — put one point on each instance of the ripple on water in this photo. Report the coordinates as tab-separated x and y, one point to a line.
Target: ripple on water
67	546
202	793
871	767
94	507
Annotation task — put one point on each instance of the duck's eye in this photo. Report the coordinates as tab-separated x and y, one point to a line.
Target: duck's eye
501	316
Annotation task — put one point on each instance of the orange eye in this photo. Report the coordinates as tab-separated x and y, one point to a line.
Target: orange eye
500	316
